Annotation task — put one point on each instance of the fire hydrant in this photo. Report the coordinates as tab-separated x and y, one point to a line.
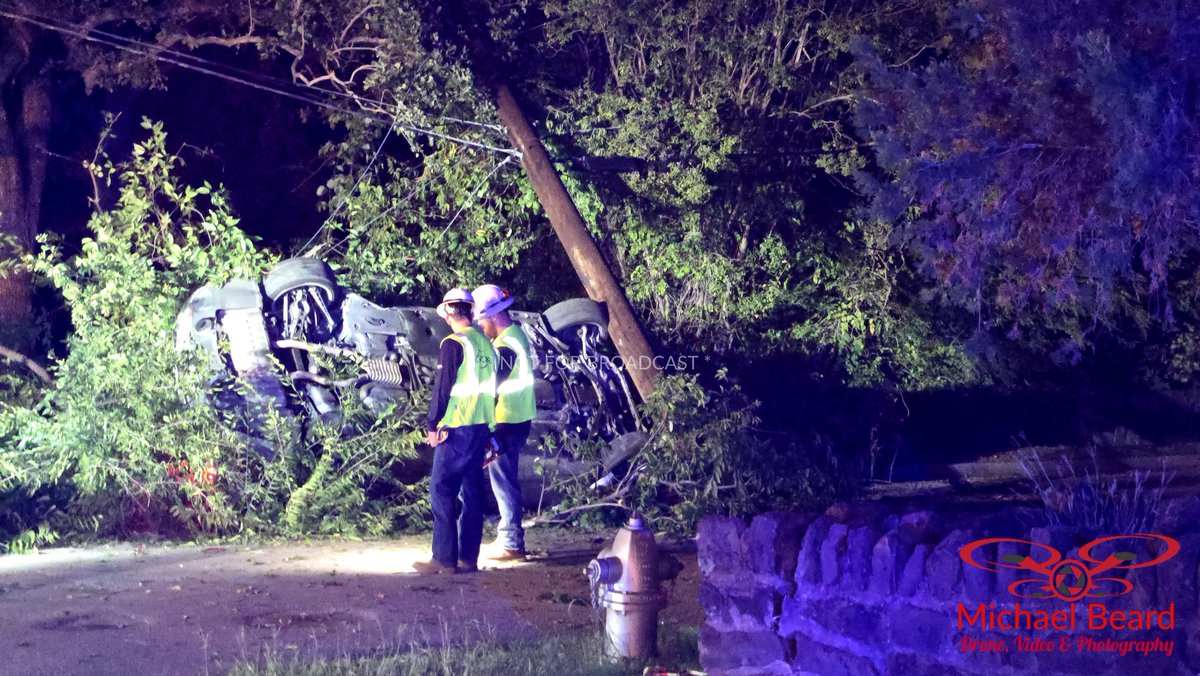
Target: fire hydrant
625	580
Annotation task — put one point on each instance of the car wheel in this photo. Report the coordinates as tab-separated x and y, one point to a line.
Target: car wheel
295	273
562	317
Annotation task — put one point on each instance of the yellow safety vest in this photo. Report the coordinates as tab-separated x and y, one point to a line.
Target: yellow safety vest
515	401
473	397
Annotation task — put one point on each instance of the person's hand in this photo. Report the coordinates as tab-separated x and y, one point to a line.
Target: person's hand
493	452
435	437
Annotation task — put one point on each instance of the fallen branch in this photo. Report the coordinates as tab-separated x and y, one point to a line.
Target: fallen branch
12	355
593	505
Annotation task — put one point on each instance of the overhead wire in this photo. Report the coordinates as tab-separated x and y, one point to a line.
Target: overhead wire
152	49
471	197
346	197
178	59
332	246
281	87
356	98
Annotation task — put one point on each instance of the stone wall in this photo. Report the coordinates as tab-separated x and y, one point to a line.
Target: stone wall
876	590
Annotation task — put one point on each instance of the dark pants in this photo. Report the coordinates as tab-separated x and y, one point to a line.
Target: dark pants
506	483
458	465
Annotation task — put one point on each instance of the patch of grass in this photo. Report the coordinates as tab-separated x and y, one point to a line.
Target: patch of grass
573	654
1082	497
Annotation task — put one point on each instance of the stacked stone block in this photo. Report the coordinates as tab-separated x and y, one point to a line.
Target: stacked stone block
872	591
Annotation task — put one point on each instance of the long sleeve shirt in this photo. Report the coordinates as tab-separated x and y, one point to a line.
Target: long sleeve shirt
449	359
506	363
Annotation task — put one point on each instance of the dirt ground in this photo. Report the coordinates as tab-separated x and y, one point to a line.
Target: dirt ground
193	609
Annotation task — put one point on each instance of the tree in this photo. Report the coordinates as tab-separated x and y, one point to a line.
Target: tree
25	105
123	432
710	141
736	139
1042	162
38	40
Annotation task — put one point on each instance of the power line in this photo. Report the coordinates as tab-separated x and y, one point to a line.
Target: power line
361	100
471	197
174	58
332	247
207	67
346	197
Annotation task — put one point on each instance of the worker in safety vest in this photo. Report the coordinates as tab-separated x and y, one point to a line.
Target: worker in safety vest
515	409
461	415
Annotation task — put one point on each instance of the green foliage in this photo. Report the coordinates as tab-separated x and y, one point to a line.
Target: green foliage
705	454
1170	353
126	427
869	320
412	229
1028	196
30	518
722	121
122	386
30	540
438	200
705	254
722	115
703	143
350	487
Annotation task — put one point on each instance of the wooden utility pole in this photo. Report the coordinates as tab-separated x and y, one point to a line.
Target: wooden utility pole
585	256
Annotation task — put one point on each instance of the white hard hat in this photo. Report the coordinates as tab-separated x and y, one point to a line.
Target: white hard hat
490	299
454	296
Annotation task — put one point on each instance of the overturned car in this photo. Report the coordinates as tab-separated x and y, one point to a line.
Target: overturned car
270	346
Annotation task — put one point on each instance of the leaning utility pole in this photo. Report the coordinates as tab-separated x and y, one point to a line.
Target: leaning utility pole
585	256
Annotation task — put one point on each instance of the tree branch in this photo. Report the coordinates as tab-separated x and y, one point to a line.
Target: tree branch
166	41
12	355
581	508
354	19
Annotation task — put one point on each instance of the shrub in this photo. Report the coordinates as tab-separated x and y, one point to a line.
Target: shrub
706	454
125	428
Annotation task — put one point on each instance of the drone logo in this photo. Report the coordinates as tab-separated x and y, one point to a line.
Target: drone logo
1071	579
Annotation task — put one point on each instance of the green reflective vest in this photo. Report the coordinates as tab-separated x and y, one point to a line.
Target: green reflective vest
473	396
515	402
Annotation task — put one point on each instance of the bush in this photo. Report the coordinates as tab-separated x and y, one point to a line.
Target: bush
125	428
706	454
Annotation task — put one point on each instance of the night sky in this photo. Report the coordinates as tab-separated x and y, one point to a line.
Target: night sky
262	147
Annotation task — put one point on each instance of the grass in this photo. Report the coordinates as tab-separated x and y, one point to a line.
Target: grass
565	655
1083	497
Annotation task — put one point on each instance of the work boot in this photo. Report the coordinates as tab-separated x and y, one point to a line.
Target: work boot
464	567
433	568
506	554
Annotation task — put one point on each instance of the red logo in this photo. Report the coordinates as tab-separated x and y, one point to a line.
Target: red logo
1070	579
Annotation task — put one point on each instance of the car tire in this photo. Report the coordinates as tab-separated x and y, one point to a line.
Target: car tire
295	273
569	314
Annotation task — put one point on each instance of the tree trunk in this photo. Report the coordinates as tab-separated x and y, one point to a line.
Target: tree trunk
24	128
